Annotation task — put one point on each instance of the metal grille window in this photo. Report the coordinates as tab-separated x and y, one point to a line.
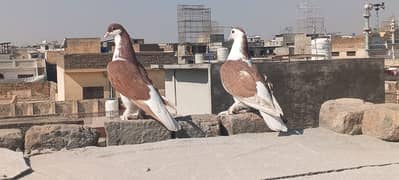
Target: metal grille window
93	92
22	76
351	53
335	54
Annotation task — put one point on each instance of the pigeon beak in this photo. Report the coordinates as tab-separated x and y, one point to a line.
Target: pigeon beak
106	35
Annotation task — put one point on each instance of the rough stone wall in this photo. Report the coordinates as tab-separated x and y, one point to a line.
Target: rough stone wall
65	107
83	108
53	57
43	108
302	44
344	44
35	90
391	92
5	109
100	61
86	61
356	42
301	87
82	45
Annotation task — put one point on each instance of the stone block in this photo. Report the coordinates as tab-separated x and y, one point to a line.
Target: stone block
195	126
343	115
242	123
382	121
11	139
59	136
135	132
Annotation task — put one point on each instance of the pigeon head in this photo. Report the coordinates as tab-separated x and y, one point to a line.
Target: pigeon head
114	29
237	33
239	49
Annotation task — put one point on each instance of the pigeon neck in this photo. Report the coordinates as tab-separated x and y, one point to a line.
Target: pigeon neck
123	48
239	50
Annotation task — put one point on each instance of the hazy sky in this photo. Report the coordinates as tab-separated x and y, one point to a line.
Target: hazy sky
29	21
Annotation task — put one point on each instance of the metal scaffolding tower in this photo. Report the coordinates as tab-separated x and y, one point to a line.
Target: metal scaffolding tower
194	23
5	48
309	21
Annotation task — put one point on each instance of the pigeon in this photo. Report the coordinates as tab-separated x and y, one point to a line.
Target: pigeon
130	79
241	79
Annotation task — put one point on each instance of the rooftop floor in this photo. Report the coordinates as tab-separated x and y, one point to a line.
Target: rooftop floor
316	154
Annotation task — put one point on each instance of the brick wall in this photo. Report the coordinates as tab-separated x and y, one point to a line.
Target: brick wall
82	45
100	61
26	91
391	92
82	108
301	87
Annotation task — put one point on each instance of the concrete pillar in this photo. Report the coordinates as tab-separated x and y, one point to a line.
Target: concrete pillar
75	109
29	110
52	107
95	109
12	110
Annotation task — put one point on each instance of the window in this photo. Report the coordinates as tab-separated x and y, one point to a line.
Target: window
93	92
34	55
22	76
252	53
335	54
1	76
351	53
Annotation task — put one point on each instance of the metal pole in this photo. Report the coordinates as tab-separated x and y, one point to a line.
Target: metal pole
367	8
393	29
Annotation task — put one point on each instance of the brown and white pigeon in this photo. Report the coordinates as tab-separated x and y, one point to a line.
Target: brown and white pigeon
248	87
130	79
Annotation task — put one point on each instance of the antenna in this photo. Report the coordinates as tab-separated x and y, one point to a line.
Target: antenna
377	8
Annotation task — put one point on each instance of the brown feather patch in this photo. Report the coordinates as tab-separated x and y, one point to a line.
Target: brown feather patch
239	79
129	79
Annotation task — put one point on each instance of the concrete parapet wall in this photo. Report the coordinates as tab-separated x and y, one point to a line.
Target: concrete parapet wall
301	87
81	108
120	132
26	91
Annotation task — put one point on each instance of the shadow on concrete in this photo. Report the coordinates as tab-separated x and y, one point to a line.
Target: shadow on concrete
293	132
26	172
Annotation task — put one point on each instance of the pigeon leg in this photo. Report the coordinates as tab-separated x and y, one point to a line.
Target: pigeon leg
233	109
140	114
126	114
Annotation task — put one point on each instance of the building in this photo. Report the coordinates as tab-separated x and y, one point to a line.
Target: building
21	64
389	31
256	47
349	47
290	44
81	68
346	47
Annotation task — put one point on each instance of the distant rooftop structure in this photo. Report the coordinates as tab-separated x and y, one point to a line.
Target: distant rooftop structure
5	48
194	23
309	21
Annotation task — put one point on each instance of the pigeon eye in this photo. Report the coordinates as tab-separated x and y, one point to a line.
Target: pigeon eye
232	32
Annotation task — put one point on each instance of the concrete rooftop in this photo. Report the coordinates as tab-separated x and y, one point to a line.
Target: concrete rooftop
316	154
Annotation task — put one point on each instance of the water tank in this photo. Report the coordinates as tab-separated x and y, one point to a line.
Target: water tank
321	49
222	53
111	108
199	58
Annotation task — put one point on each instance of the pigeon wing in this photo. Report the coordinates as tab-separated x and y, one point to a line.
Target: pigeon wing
244	82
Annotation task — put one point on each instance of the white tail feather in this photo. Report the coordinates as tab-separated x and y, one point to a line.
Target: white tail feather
158	108
169	105
274	123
